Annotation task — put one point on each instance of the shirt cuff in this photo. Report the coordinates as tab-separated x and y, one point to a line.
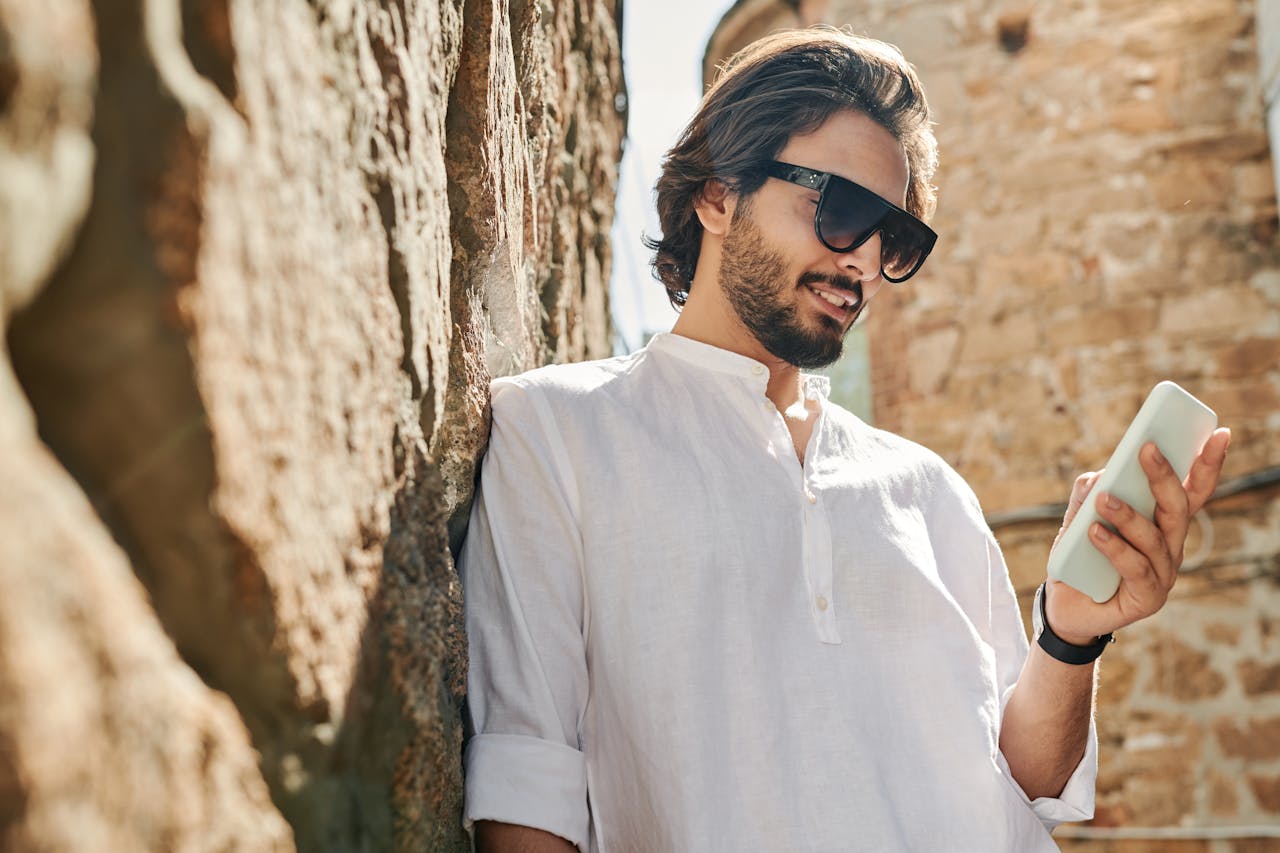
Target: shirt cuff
1075	803
527	781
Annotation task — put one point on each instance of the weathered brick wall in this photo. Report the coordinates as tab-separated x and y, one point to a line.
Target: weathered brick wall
258	261
1108	219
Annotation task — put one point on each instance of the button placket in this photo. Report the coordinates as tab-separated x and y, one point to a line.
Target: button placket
817	536
818	570
815	556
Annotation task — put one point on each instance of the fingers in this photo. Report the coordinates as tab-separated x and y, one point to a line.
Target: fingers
1139	549
1079	491
1142	590
1203	478
1172	513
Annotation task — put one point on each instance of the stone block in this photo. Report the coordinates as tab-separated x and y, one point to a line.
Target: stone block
1140	117
1242	400
1254	182
1221	585
1007	338
1161	797
1000	241
1256	738
1116	679
1183	672
1233	143
1015	491
1222	634
1155	274
1249	357
931	358
1162	28
1103	324
1253	845
1266	791
1049	171
1236	310
1010	282
1104	420
1194	187
1224	797
1137	845
1258	678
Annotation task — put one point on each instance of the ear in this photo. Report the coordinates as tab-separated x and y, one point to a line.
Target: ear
715	205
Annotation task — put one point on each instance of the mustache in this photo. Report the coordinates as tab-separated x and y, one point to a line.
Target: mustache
842	283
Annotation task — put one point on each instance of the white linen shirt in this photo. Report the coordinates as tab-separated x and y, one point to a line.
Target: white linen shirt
682	639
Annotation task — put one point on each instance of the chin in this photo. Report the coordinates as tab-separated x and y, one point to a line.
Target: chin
806	353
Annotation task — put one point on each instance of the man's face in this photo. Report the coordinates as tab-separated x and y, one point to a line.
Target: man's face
775	273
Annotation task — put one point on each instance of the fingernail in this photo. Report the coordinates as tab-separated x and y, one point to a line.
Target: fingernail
1112	501
1101	532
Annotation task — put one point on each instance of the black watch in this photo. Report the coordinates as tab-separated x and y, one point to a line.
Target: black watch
1058	648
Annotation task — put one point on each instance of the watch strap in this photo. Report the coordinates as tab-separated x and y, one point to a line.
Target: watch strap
1058	648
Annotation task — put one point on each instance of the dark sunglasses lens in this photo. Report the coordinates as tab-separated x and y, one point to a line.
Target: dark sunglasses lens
848	214
904	244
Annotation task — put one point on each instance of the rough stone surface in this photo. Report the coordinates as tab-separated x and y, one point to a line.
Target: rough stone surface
282	248
48	70
1107	219
108	741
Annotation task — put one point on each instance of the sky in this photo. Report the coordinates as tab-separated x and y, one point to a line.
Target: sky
662	46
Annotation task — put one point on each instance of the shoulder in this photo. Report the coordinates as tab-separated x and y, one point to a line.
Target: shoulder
900	459
557	388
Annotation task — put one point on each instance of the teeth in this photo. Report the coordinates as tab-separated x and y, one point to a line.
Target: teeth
838	301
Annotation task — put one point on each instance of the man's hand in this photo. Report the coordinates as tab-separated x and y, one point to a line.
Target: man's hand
1044	732
1147	554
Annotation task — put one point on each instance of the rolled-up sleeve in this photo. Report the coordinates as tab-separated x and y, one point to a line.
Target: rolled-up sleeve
521	569
1076	801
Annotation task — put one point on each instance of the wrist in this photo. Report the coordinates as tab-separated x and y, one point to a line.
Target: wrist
1070	648
1073	639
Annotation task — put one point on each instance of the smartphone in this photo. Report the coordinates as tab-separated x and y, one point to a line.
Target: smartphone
1179	424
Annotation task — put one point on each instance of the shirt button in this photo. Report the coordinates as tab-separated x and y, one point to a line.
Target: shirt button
757	369
822	603
812	498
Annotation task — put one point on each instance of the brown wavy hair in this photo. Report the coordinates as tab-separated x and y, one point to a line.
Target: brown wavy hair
783	85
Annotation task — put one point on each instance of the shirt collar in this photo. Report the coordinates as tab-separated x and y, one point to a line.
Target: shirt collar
732	363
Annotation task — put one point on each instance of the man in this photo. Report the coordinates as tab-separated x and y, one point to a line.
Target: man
711	610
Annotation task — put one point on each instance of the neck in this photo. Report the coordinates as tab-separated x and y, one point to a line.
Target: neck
707	317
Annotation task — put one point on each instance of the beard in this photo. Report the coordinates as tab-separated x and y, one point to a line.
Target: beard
753	279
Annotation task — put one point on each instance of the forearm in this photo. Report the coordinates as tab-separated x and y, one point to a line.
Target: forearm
494	837
1046	723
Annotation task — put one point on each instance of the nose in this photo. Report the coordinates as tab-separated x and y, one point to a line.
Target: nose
863	264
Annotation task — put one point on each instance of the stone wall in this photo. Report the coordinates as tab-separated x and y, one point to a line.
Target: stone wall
258	261
1108	219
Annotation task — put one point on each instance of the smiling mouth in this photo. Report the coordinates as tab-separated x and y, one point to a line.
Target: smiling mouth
849	304
838	301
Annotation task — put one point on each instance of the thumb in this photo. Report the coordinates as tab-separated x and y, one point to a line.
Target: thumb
1083	485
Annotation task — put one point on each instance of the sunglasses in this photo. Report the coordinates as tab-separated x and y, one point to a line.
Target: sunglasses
848	215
